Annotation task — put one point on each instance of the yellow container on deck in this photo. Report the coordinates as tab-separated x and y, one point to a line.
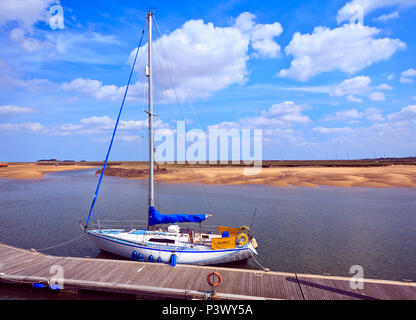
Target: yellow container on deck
231	231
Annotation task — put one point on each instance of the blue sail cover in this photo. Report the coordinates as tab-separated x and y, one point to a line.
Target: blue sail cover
155	217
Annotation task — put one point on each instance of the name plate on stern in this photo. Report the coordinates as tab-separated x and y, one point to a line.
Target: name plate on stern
223	243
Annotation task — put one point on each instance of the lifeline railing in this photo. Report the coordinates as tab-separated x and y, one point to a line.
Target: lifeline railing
142	224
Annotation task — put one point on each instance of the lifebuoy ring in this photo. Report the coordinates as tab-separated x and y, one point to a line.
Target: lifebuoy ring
215	284
242	239
245	230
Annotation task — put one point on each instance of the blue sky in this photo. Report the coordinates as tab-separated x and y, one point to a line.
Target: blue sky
322	79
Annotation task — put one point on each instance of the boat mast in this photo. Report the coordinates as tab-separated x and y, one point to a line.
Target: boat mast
150	112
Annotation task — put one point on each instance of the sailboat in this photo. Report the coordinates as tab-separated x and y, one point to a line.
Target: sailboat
164	240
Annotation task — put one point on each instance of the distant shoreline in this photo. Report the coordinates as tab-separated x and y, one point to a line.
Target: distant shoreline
273	173
33	171
376	162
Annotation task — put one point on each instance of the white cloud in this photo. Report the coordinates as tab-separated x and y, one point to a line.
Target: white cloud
405	114
80	47
30	44
104	121
390	77
386	17
128	138
407	76
281	114
9	79
358	86
261	35
349	9
105	125
397	127
352	115
35	127
313	89
377	96
324	130
349	88
193	61
198	59
86	47
30	85
395	132
26	13
344	115
95	89
67	127
373	114
384	86
352	98
29	126
348	48
275	122
354	86
13	110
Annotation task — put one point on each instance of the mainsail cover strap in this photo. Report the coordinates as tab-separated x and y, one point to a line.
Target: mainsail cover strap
155	217
114	133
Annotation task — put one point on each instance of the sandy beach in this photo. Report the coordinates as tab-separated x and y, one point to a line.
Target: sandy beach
379	177
34	171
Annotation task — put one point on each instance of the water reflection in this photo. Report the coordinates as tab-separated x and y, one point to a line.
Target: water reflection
303	230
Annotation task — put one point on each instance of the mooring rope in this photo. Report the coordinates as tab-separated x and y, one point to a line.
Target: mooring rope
59	244
258	263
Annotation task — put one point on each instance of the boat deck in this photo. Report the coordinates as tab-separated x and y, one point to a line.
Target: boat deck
154	280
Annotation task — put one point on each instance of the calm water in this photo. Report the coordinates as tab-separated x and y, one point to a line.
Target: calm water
304	230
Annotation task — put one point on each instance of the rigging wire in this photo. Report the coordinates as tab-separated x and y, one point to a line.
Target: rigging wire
158	49
207	202
114	132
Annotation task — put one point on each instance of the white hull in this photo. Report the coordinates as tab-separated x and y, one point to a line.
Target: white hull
124	245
